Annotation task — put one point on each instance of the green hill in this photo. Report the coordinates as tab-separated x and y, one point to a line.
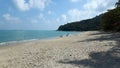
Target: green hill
109	21
84	25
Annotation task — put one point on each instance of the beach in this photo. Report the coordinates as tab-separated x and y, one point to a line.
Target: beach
90	49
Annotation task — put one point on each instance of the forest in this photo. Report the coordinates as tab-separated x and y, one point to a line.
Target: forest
109	21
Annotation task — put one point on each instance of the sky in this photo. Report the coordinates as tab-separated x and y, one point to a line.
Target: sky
48	14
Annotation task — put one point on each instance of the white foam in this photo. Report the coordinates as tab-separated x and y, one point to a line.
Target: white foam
14	42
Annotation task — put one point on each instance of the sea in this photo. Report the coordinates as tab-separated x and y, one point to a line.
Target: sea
13	36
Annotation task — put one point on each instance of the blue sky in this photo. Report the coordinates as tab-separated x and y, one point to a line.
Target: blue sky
48	14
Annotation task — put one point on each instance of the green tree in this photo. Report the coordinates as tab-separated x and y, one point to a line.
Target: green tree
111	20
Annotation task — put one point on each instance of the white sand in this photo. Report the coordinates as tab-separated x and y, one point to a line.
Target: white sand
54	53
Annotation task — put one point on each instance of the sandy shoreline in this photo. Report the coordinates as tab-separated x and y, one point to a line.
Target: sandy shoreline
86	50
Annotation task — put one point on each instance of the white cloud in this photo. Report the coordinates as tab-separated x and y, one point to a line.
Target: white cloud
41	4
64	17
77	15
49	12
90	9
99	5
74	1
74	14
10	18
23	5
41	17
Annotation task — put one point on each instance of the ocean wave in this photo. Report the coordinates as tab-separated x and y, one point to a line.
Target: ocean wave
14	42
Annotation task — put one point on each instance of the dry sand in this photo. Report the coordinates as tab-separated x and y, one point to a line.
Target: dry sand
91	49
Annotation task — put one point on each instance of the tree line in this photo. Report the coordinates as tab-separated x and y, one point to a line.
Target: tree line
109	21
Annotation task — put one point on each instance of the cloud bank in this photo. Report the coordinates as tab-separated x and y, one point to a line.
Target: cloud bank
90	9
7	17
24	5
74	1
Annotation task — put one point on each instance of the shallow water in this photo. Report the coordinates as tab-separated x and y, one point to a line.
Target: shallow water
20	35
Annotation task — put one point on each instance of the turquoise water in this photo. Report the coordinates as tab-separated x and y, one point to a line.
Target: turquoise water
20	35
